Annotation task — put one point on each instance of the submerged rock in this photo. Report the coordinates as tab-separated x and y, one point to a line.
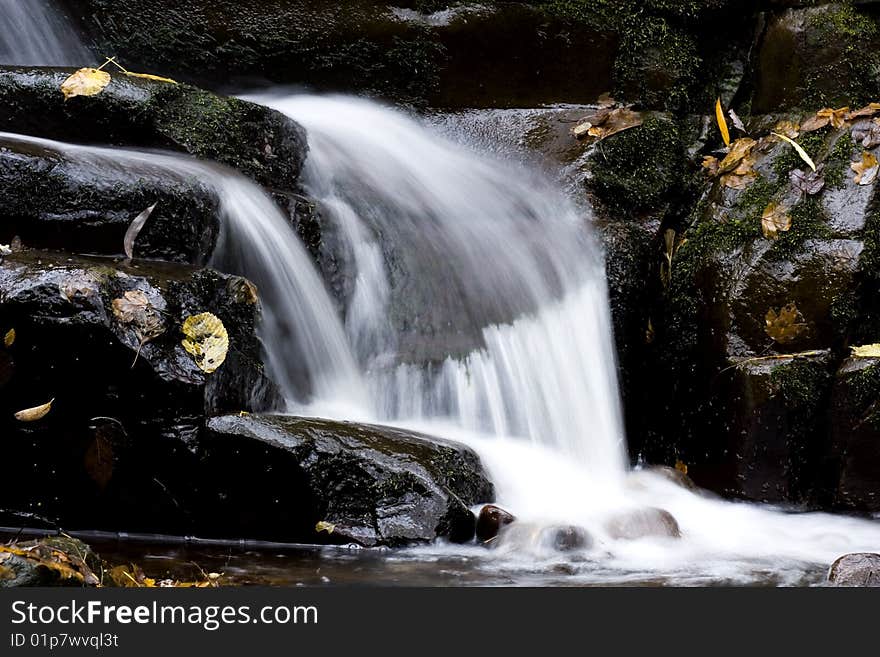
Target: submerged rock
491	521
541	538
136	112
643	523
280	476
859	569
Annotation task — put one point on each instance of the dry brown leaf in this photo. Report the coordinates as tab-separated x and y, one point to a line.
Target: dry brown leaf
868	111
786	325
742	176
616	121
739	150
80	285
788	128
836	117
85	82
866	169
775	220
135	311
710	164
35	413
681	466
134	229
867	133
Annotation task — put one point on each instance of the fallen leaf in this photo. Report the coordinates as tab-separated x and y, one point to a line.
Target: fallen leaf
581	130
135	228
737	122
80	285
681	466
786	325
742	176
807	182
616	121
836	117
147	76
135	311
867	133
722	123
866	170
35	413
868	111
206	341
324	526
788	128
739	150
866	351
800	151
85	82
9	338
775	220
710	164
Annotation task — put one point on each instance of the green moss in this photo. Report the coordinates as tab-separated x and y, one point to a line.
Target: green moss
800	383
808	221
838	163
641	168
863	391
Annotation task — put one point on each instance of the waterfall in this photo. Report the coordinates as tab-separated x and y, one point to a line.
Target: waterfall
306	349
479	295
36	33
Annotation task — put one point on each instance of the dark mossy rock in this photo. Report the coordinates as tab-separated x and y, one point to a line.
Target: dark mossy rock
371	485
746	424
50	561
110	391
56	197
261	143
860	569
855	431
813	57
502	54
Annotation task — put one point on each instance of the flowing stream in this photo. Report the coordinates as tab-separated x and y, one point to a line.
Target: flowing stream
36	33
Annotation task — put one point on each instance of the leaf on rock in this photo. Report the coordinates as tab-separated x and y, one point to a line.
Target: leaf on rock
85	82
865	112
9	338
35	413
786	325
836	117
867	133
800	151
615	121
324	526
790	129
775	220
722	123
737	122
681	466
710	164
742	176
147	76
807	182
739	150
135	311
206	341
866	351
134	229
866	169
81	285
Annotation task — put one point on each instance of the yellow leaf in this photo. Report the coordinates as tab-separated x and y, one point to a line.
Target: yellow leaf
866	170
206	341
9	338
800	151
147	76
324	526
866	351
681	466
85	82
786	325
722	122
788	128
35	413
775	220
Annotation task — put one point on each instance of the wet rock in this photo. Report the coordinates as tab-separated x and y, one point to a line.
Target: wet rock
674	475
63	199
490	522
814	57
643	523
856	570
855	434
114	397
51	561
567	538
556	538
261	143
279	476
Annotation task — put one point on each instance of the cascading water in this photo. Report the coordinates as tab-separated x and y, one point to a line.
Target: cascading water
36	33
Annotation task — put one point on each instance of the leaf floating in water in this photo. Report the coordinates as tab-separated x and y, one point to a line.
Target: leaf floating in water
786	325
800	151
866	351
866	170
134	229
35	413
722	122
206	341
9	338
775	220
85	82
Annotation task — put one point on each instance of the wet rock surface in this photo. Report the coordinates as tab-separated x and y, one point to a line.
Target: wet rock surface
370	485
491	521
643	523
856	570
51	561
261	143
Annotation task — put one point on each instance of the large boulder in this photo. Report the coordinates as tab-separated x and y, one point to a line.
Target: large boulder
365	484
860	569
134	111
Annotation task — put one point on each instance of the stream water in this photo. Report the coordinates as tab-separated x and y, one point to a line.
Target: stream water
477	311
